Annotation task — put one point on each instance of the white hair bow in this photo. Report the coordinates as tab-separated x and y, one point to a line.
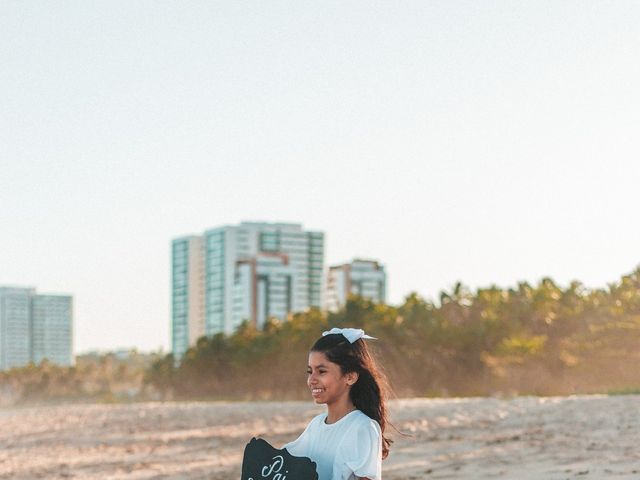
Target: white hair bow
351	334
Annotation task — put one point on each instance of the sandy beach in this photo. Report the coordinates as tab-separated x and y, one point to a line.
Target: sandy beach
481	438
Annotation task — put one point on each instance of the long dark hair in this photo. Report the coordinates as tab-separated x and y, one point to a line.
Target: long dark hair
369	392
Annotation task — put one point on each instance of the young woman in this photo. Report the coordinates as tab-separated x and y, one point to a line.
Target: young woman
347	442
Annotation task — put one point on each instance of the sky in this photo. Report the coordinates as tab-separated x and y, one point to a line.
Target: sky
484	142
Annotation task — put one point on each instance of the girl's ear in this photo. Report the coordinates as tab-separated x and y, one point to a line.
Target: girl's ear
352	377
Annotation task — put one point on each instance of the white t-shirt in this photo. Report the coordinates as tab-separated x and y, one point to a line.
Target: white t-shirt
344	450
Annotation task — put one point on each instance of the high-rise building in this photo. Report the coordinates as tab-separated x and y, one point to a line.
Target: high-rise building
230	256
34	328
187	286
366	278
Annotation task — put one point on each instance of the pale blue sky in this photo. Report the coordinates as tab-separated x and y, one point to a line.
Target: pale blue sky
488	142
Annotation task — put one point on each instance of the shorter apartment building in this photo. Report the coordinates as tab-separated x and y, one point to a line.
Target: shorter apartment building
366	278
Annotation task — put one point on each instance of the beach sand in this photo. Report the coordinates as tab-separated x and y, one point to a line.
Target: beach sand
524	438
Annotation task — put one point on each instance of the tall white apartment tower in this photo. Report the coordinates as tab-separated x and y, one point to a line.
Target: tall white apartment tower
278	250
187	286
366	278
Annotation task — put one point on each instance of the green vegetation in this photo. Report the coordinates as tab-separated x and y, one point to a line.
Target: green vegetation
625	391
542	340
95	377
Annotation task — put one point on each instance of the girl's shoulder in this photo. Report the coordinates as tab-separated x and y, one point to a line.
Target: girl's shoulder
362	418
361	422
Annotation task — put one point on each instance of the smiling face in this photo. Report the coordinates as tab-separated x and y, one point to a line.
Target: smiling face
326	381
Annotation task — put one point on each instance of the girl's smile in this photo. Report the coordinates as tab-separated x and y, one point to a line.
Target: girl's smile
326	381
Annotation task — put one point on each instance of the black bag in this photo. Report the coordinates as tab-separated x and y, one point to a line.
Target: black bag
264	462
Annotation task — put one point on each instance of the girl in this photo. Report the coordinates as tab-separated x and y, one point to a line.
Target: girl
347	442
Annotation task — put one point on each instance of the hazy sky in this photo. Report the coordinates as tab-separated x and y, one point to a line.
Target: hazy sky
488	142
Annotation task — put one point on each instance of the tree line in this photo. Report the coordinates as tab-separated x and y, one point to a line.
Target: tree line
541	339
529	339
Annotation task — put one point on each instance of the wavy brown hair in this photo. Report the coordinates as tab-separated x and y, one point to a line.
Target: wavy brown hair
369	392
